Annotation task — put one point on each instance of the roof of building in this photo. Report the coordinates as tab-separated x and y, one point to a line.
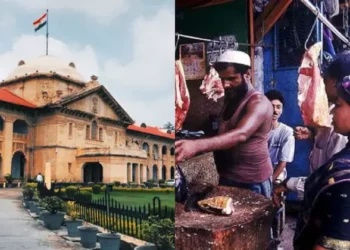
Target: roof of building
151	130
7	96
100	90
45	65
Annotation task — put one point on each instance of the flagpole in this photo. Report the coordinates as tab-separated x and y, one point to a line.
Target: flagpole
47	32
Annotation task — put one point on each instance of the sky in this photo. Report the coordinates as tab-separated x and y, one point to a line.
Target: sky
128	44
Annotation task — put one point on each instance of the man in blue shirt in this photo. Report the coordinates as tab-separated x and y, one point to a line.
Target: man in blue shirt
281	139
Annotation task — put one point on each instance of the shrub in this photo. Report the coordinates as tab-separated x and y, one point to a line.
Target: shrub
72	211
159	232
133	184
161	181
145	190
62	193
84	197
117	183
42	203
71	191
9	178
87	189
28	193
96	189
53	204
32	185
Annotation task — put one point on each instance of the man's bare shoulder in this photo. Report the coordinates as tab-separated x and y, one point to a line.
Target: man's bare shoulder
260	102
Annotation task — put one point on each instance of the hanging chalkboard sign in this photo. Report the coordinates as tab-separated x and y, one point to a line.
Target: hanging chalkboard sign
215	49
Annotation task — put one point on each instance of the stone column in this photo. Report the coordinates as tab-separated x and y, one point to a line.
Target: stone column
137	172
160	172
129	175
143	173
168	172
7	150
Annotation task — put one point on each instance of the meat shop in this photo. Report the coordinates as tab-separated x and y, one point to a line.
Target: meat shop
257	86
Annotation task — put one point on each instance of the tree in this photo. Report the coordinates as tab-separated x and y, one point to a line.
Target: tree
169	126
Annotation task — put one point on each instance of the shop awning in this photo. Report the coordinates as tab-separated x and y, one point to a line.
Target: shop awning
184	4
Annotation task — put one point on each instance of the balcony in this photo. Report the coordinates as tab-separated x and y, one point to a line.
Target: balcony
20	137
132	152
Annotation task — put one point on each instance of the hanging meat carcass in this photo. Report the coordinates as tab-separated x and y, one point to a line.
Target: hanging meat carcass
182	96
312	98
212	86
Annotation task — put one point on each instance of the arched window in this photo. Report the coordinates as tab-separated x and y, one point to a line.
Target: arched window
2	122
94	130
87	132
164	150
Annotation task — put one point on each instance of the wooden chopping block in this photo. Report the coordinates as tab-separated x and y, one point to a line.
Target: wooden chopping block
248	228
200	169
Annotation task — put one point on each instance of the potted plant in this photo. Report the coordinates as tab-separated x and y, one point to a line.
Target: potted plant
53	218
33	205
42	209
160	232
74	222
109	241
28	194
88	235
9	179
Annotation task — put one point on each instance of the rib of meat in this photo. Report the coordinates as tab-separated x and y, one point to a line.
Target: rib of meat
312	98
182	96
212	86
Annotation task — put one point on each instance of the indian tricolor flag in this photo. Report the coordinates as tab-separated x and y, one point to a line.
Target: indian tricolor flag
41	22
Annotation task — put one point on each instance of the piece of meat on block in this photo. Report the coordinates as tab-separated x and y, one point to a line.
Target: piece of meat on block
312	98
182	96
212	85
247	228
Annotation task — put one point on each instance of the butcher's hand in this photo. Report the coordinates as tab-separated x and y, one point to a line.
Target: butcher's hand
302	133
185	149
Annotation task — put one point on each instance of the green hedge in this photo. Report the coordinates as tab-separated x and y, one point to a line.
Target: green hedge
32	185
138	190
96	189
84	196
70	192
145	190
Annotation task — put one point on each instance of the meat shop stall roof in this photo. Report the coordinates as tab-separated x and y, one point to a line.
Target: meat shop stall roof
188	4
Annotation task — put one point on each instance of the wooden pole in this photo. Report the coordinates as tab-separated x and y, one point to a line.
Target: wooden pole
251	30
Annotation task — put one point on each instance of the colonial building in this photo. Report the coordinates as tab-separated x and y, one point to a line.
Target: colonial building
50	114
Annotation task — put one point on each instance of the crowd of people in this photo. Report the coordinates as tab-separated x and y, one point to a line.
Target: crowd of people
252	148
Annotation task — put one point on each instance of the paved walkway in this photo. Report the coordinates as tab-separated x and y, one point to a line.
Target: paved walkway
18	230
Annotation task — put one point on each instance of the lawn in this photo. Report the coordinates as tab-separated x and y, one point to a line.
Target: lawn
140	199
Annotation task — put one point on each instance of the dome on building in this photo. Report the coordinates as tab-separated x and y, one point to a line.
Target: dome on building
46	65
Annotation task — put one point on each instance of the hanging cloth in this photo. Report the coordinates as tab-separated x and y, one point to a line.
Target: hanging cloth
331	7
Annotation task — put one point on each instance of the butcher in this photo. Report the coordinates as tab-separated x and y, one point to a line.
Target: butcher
241	144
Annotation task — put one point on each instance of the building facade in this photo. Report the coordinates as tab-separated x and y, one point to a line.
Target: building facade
50	114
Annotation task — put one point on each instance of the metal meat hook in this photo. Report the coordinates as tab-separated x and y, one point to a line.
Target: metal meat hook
312	29
177	41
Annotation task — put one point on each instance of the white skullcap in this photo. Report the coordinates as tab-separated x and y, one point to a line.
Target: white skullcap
234	56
